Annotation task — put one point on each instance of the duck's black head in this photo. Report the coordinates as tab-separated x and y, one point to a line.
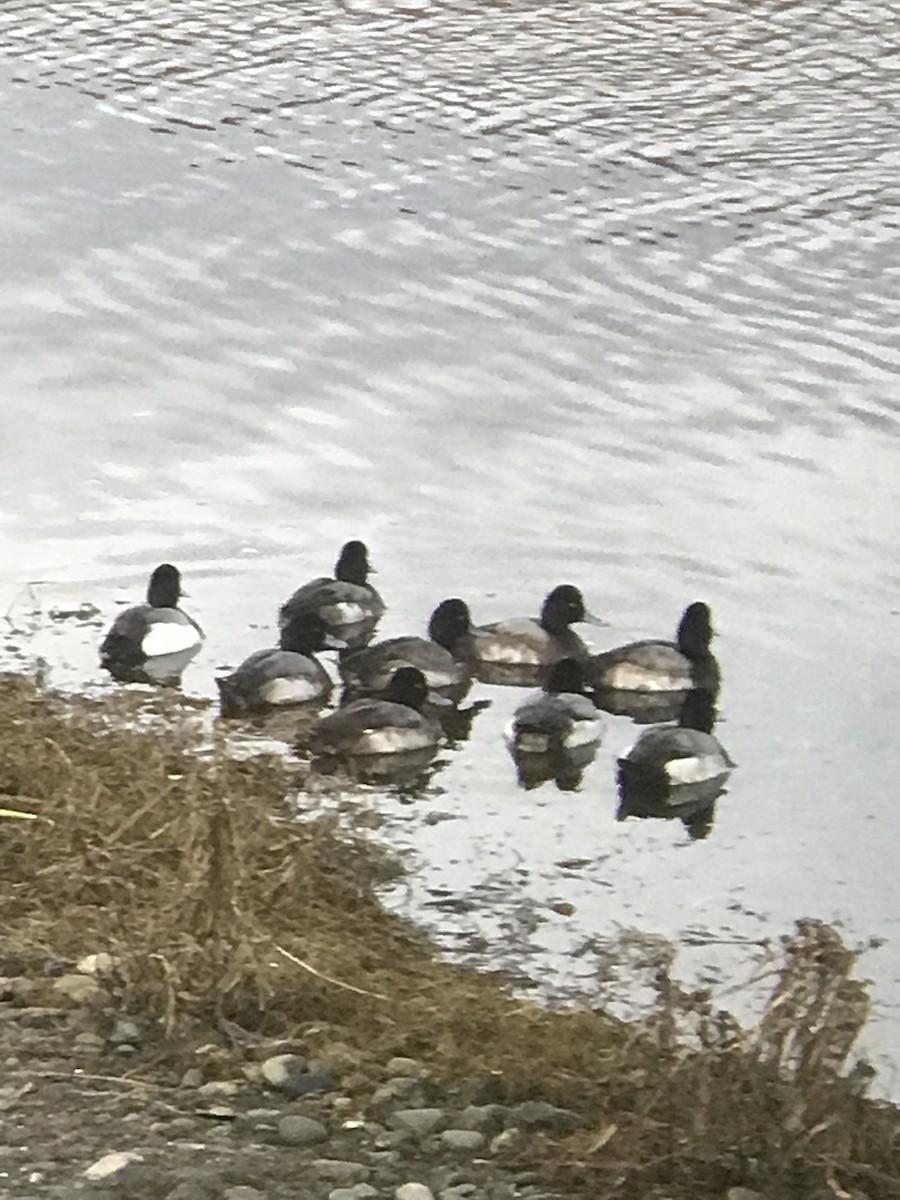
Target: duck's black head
450	621
164	589
408	686
562	608
565	676
695	631
352	565
305	633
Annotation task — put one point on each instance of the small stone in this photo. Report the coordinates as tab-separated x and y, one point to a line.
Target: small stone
340	1171
79	989
403	1088
243	1192
96	964
125	1031
390	1139
413	1191
296	1130
88	1043
403	1066
111	1164
459	1192
538	1114
182	1126
280	1069
465	1140
742	1193
361	1191
505	1140
219	1087
419	1121
342	1104
487	1118
192	1078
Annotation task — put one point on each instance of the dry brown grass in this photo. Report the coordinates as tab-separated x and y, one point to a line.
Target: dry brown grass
216	906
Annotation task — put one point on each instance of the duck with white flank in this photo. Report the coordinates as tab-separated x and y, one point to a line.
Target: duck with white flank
154	638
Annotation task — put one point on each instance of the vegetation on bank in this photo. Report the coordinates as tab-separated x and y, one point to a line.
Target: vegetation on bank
220	909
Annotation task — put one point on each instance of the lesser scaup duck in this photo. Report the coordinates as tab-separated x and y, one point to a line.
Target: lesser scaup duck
560	717
533	641
658	666
666	758
348	602
369	670
393	725
281	676
156	630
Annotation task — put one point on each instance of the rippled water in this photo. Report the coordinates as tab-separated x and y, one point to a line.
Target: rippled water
601	293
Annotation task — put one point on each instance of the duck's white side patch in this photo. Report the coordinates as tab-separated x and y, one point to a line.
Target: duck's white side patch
347	612
290	690
694	770
530	742
631	677
169	637
583	732
393	740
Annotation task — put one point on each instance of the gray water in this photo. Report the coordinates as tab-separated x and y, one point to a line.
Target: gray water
602	293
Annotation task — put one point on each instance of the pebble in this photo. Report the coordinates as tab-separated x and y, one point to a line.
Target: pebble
125	1031
88	1043
219	1087
243	1192
419	1121
96	964
111	1164
413	1191
280	1069
361	1191
403	1087
487	1118
403	1066
80	989
538	1114
459	1192
291	1074
505	1140
192	1078
467	1140
296	1130
742	1193
340	1171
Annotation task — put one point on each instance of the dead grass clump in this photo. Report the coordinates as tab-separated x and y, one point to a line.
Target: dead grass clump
218	909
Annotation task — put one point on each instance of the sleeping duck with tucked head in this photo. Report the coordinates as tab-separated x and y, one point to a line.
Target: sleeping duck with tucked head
395	724
282	676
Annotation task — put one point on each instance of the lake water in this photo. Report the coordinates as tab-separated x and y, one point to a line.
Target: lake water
601	293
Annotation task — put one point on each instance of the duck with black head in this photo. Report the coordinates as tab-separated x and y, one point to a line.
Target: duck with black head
347	603
148	639
368	671
661	666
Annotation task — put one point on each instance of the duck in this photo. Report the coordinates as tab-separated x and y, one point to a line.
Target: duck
346	601
281	676
560	717
369	670
155	630
669	757
659	666
532	641
392	725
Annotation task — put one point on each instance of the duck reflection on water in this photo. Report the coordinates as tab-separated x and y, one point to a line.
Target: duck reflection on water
677	770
